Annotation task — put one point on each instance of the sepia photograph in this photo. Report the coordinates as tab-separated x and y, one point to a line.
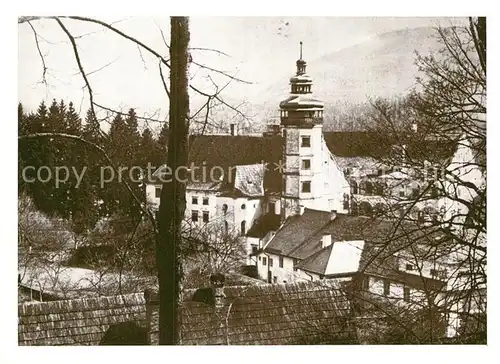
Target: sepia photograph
251	180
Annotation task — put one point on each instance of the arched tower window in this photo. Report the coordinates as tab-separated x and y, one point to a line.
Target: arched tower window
243	227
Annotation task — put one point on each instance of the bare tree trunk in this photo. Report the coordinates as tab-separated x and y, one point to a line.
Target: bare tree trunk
173	197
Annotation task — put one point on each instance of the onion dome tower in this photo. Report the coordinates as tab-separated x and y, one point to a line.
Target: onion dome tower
301	118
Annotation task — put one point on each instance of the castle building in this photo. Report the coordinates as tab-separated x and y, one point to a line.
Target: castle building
264	180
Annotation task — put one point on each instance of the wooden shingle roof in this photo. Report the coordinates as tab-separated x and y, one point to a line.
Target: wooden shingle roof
270	314
79	321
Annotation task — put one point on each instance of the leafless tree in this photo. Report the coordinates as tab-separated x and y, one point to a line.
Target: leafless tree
436	139
167	223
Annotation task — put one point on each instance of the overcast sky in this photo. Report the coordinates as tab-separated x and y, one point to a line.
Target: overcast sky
259	49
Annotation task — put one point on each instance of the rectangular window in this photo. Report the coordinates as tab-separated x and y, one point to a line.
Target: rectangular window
346	201
194	200
306	164
306	141
205	216
264	261
281	262
205	200
270	262
306	186
275	279
194	216
254	249
409	267
402	193
158	192
366	283
406	294
387	287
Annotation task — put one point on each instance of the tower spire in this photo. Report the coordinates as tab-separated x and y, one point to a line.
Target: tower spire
301	64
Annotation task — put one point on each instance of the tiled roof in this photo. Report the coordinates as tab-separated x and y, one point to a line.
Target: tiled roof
247	153
355	144
80	321
264	224
340	257
300	237
289	239
227	150
279	314
317	262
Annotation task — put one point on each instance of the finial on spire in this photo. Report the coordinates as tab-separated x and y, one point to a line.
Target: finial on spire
300	50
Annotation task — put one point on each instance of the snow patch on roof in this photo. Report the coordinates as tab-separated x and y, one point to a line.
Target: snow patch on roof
345	257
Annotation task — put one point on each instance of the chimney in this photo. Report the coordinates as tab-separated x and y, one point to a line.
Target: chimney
231	126
217	283
326	240
333	215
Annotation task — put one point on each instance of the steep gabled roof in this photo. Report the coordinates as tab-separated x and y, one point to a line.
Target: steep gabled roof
264	224
340	257
289	239
227	150
383	241
317	262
